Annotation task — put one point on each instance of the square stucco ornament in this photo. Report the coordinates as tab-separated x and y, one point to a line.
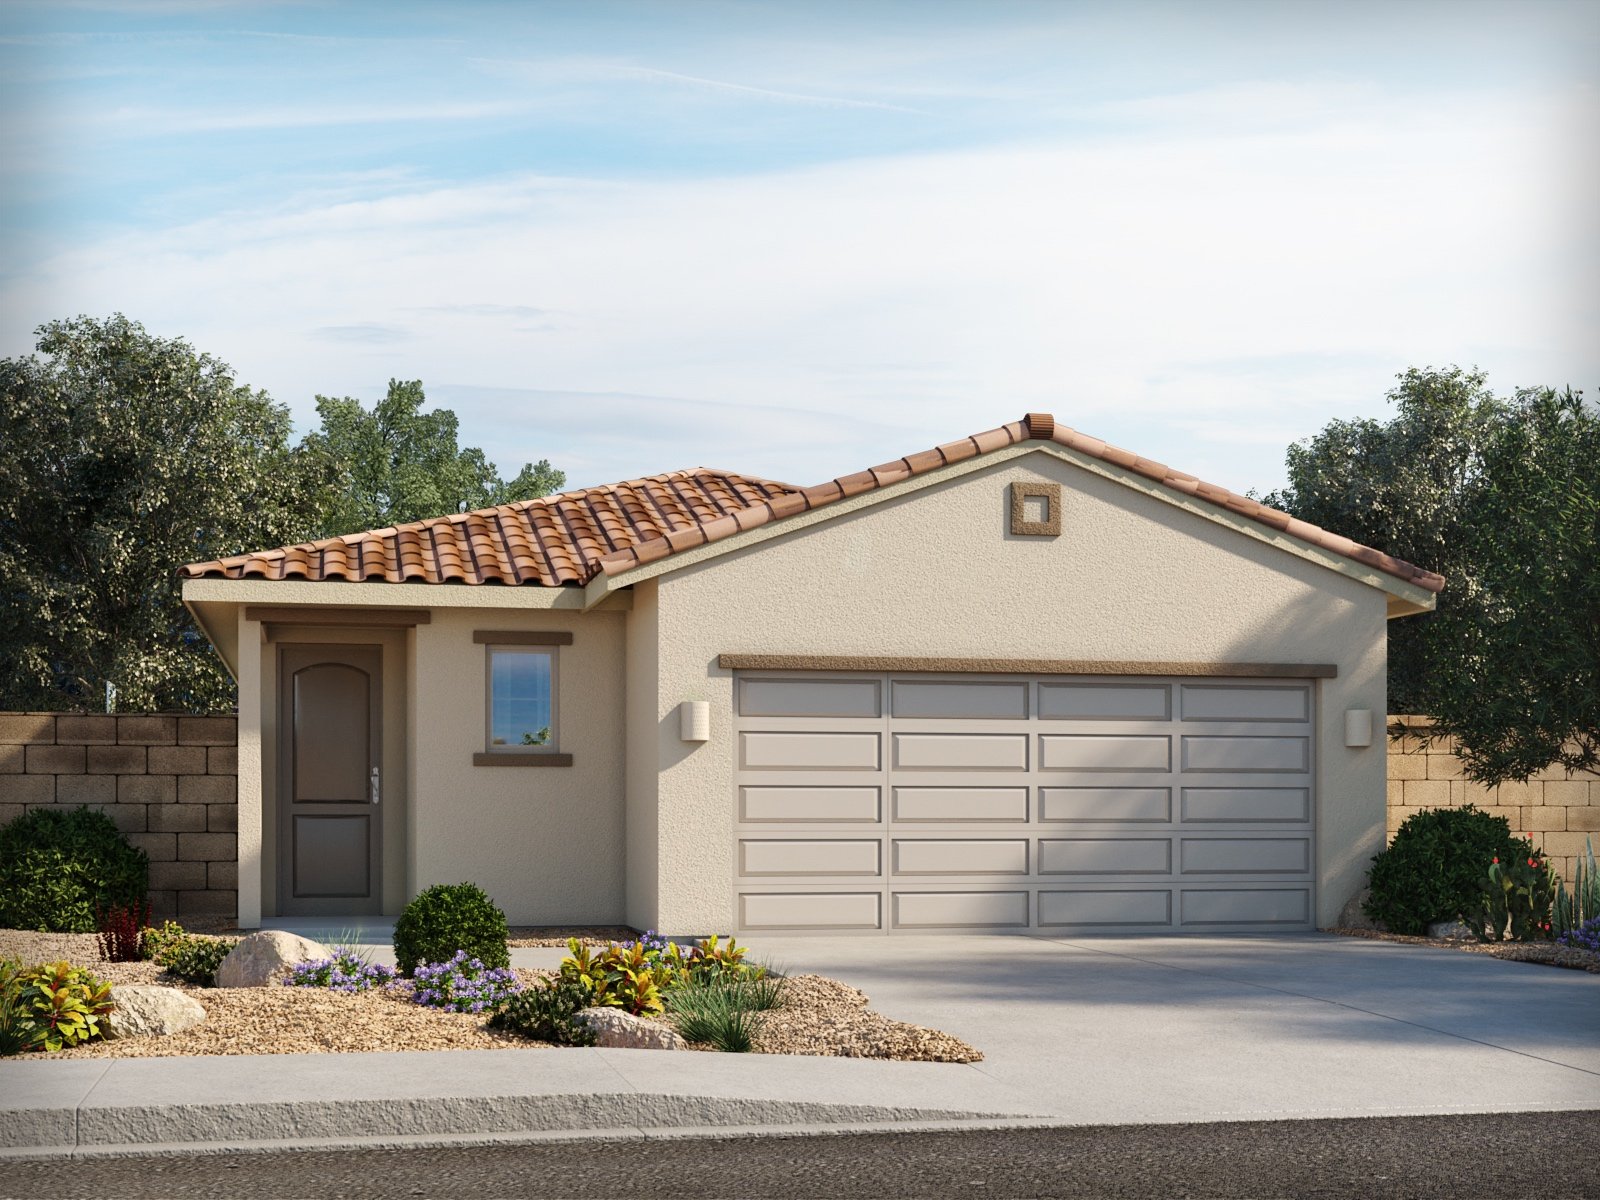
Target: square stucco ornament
1036	509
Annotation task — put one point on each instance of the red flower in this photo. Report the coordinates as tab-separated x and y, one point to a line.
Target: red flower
1497	858
1533	862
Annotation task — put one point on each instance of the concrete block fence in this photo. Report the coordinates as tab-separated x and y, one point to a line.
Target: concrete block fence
1556	810
169	781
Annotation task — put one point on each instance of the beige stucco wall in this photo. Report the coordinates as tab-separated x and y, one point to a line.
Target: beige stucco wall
545	842
936	572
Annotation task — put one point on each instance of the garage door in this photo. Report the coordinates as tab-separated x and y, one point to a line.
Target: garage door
917	804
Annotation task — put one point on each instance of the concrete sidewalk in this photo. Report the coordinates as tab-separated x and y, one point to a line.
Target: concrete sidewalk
1132	1031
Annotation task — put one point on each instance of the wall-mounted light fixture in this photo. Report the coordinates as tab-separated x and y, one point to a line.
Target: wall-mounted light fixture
694	721
1358	727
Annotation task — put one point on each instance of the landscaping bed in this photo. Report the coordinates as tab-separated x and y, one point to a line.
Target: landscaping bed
820	1016
1547	953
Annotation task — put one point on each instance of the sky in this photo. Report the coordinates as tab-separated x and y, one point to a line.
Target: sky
799	239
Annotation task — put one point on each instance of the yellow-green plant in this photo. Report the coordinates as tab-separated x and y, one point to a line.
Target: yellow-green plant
632	976
152	941
50	1006
715	961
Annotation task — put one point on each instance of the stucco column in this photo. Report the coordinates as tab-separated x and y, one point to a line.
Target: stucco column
249	772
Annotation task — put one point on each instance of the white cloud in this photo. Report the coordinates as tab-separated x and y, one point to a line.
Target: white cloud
1199	293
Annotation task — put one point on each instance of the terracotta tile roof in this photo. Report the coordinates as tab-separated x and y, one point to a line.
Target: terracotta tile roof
571	538
542	543
1035	426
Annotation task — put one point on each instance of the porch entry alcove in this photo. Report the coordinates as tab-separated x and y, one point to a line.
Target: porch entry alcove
333	760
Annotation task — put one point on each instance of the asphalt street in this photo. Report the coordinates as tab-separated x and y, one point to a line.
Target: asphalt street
1548	1156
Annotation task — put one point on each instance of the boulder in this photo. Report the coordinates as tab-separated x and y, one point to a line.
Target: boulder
624	1031
1453	931
147	1011
1353	915
264	958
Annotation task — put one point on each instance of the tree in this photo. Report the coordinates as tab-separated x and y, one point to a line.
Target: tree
399	463
123	456
1501	497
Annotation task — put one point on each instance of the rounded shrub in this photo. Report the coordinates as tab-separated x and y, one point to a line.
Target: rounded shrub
446	918
1435	867
57	865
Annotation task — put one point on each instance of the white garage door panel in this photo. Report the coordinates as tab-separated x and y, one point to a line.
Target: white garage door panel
811	910
1105	856
1099	752
804	804
1246	856
1204	702
1247	804
809	697
1246	753
960	910
1081	804
809	751
960	856
960	804
1102	804
980	701
958	751
1105	701
1089	910
818	857
1275	906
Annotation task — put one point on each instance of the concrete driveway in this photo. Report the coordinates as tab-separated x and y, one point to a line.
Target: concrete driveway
1175	1029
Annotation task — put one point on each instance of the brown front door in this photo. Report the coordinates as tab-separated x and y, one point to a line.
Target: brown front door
329	786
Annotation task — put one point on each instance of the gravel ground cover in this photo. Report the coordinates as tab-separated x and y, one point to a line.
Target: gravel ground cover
821	1016
1571	957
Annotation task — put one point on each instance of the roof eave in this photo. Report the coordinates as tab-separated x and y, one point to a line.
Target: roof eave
1405	598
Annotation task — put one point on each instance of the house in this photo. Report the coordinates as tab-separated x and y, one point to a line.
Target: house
1023	681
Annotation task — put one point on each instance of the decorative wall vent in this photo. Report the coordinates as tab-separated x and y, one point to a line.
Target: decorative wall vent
1036	509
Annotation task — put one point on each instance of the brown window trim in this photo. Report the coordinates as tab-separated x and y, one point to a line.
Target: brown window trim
306	615
1022	666
521	637
513	759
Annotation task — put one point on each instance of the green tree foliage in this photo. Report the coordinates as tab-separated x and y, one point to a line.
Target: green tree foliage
123	456
399	463
1502	497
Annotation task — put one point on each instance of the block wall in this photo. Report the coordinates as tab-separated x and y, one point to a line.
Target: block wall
169	781
1554	810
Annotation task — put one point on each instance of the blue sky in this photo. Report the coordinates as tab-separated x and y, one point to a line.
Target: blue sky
798	239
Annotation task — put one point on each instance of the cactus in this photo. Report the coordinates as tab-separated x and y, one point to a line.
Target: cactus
1570	911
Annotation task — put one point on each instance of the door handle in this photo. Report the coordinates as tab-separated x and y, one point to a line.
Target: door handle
375	785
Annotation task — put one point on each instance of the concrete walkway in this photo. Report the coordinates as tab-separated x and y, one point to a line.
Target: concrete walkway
1088	1032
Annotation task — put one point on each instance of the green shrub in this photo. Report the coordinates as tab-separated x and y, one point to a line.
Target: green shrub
58	864
1433	869
546	1011
450	917
50	1006
195	958
153	941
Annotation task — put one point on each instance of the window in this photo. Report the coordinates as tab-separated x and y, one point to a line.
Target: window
522	694
521	698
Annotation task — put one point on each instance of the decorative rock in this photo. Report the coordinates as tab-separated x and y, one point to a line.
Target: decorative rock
263	958
146	1011
1454	931
1353	915
617	1029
